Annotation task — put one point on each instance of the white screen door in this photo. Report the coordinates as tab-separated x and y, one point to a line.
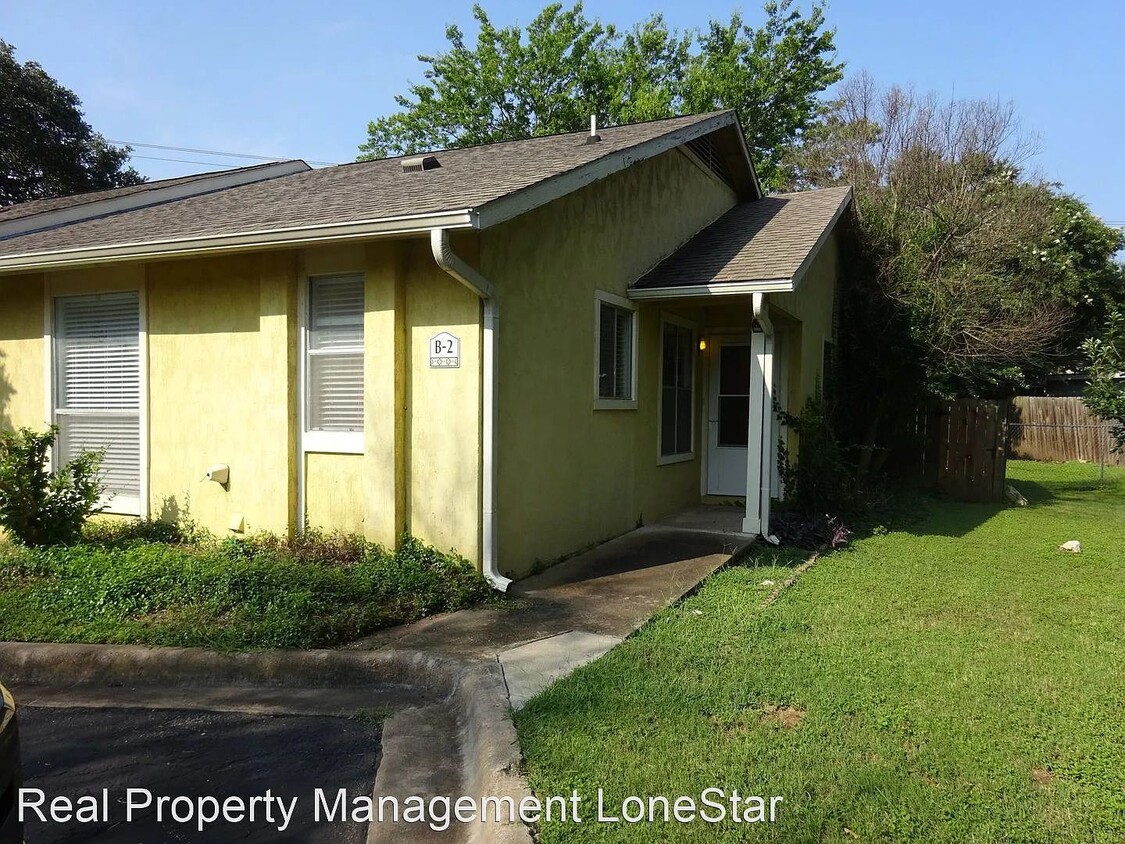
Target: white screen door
98	389
728	418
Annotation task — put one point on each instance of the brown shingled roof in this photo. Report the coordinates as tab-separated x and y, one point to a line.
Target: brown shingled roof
766	239
41	206
356	193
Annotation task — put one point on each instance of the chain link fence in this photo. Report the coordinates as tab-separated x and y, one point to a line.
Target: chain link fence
1079	452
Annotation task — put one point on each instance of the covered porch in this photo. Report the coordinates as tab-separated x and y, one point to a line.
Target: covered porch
756	291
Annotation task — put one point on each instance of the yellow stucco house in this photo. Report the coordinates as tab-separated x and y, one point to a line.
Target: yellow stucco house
514	350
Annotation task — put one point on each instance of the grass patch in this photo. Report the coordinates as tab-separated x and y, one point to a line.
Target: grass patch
140	583
959	680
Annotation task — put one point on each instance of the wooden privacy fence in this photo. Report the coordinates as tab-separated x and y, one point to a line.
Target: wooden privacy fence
1058	429
957	447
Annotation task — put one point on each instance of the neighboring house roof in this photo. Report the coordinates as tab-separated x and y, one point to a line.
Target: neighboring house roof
764	245
33	207
474	187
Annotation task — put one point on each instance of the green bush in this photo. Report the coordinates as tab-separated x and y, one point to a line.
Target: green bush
821	480
38	506
233	594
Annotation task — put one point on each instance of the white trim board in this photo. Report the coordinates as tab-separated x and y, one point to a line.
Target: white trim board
721	288
242	241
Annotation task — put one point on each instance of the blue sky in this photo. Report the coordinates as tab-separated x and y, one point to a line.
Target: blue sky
302	79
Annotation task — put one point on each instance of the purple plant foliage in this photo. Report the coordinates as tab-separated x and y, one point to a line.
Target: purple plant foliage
805	531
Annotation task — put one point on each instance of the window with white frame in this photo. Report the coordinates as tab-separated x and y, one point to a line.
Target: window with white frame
97	389
616	351
334	364
677	385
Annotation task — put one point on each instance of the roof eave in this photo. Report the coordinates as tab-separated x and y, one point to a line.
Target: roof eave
717	288
238	242
824	235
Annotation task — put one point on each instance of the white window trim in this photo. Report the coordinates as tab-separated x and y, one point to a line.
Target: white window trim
141	508
623	303
319	442
687	456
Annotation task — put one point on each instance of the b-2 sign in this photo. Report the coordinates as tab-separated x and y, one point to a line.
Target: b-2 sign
445	351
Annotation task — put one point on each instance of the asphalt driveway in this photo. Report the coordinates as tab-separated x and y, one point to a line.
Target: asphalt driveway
266	760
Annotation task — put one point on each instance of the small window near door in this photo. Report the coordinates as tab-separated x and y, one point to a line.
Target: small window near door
677	384
616	340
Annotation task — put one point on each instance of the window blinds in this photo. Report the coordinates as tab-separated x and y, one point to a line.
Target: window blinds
335	354
98	388
615	352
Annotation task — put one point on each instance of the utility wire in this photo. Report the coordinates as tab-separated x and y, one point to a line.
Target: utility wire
216	152
186	161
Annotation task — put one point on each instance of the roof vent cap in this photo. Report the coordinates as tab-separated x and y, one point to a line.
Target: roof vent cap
593	137
418	163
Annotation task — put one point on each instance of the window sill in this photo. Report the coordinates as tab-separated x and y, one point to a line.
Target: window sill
667	459
120	505
615	404
333	442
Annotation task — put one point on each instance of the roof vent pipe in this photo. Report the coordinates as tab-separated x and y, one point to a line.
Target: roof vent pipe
594	136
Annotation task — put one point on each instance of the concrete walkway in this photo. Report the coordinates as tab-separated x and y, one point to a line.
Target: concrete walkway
574	612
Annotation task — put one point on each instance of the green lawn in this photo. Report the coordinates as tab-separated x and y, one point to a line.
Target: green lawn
961	680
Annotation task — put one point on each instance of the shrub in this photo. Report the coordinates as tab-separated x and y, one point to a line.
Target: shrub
801	530
38	506
262	592
821	481
124	532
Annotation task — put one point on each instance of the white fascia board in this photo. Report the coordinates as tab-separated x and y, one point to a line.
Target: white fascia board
150	196
824	235
701	291
548	190
243	241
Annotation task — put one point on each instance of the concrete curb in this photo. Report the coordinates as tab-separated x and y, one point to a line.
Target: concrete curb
469	701
40	664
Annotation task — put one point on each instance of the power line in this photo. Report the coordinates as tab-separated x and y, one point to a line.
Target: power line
216	152
187	161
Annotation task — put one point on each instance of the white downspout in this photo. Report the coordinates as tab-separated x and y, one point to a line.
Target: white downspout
455	266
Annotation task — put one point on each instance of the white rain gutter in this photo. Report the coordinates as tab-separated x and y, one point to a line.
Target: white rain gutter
455	266
250	240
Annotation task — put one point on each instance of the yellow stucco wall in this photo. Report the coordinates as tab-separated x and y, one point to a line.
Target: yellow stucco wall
808	312
222	351
335	499
219	375
443	411
22	401
570	475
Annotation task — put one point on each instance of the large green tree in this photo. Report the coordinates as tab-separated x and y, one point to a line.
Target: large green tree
47	148
969	277
550	77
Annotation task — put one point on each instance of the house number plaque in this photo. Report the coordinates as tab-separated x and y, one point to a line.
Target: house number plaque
445	351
